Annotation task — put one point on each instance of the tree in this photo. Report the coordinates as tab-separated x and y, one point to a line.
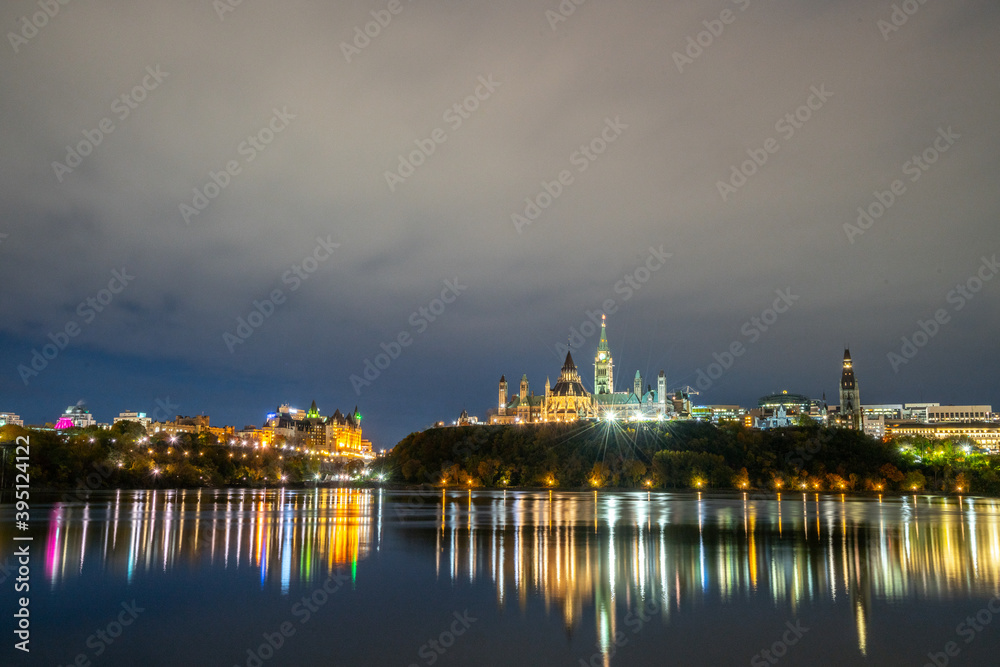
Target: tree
891	473
599	474
634	471
962	483
914	481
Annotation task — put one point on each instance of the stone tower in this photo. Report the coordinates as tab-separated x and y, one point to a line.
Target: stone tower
502	409
850	395
661	391
604	381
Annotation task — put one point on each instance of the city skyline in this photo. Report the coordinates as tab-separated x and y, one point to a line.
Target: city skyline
162	414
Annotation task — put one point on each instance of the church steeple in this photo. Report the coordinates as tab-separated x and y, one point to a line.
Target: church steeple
603	366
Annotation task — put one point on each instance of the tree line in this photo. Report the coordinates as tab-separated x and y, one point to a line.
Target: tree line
689	455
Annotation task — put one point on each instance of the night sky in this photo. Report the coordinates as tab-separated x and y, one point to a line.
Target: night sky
278	150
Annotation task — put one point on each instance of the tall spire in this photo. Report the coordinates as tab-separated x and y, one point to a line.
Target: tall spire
850	396
603	366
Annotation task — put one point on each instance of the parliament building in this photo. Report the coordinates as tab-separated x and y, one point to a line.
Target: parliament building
568	400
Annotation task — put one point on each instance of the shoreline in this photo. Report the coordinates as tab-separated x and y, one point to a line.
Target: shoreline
752	494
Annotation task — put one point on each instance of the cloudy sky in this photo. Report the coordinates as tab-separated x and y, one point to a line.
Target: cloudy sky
217	158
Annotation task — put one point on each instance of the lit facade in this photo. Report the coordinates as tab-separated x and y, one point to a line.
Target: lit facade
130	416
75	416
986	435
338	435
850	395
9	418
886	410
568	400
960	413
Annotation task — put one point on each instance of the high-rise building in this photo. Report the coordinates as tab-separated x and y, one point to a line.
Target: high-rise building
850	395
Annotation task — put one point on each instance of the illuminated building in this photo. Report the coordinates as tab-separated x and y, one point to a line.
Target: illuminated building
874	426
337	435
720	413
887	410
917	411
193	425
778	419
130	416
984	434
637	404
794	404
11	419
569	400
75	416
465	420
850	395
960	413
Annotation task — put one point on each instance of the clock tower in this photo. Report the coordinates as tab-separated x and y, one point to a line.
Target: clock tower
603	367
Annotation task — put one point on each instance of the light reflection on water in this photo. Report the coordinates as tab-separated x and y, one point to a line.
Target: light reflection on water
284	534
608	552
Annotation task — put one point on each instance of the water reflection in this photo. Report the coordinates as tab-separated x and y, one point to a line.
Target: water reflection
618	552
287	535
601	554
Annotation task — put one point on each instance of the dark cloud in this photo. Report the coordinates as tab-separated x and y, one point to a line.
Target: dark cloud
323	176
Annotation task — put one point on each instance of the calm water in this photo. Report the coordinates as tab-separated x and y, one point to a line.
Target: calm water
377	577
